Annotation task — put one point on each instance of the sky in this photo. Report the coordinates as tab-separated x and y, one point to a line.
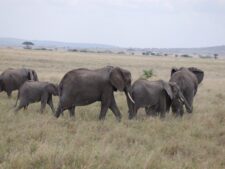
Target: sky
124	23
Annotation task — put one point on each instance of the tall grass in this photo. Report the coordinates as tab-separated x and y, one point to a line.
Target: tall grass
30	140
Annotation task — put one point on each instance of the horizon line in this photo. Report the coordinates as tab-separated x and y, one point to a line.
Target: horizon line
115	46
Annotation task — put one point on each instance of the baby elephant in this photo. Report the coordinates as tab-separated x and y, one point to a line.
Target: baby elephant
34	91
154	96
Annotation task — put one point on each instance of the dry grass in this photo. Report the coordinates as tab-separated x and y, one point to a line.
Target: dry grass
30	140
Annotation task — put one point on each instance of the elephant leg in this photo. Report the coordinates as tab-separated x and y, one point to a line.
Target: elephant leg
58	111
25	107
18	108
72	112
115	109
9	93
50	103
162	107
190	102
43	105
162	114
23	104
177	109
43	102
104	109
181	111
17	100
150	111
134	113
64	104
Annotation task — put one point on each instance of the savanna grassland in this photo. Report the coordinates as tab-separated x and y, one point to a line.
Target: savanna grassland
30	140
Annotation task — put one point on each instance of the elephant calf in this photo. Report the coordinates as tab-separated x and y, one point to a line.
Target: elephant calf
154	96
33	91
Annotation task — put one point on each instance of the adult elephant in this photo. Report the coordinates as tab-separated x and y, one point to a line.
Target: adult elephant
155	96
81	87
188	80
12	79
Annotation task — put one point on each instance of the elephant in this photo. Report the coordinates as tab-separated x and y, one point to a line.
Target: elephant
155	96
12	79
35	91
188	80
80	87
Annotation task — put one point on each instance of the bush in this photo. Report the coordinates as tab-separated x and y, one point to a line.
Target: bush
147	73
186	56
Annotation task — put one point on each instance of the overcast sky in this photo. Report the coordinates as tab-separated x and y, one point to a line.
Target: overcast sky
126	23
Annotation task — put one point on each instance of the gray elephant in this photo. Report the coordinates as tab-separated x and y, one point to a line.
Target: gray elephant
12	79
188	80
155	96
35	91
81	87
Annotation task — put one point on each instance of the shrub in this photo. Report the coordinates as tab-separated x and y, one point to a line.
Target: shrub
186	56
147	73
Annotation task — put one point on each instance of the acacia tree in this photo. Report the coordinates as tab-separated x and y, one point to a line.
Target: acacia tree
216	56
28	45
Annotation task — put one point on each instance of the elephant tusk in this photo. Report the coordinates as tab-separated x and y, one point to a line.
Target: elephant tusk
182	100
130	97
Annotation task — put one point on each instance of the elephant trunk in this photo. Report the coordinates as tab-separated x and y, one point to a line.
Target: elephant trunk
184	101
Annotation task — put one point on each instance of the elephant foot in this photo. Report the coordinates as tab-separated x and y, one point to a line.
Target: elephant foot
118	119
190	110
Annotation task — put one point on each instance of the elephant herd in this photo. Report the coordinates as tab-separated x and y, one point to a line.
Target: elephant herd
80	87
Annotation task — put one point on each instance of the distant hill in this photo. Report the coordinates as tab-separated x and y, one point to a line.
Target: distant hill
191	51
13	42
205	51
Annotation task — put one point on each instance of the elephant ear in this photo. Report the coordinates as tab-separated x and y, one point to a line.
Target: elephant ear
30	75
168	89
116	79
198	73
35	75
173	70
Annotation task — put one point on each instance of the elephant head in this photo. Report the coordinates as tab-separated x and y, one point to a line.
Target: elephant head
121	80
199	74
32	75
52	89
176	95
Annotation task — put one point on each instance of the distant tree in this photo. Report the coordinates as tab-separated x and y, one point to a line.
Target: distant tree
28	45
216	56
153	54
186	56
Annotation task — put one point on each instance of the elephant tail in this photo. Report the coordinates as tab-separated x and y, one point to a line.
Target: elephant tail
18	95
